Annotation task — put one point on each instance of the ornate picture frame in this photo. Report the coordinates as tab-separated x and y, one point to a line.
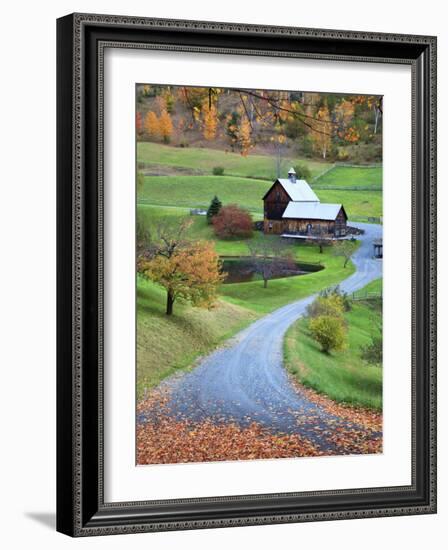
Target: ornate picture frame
81	42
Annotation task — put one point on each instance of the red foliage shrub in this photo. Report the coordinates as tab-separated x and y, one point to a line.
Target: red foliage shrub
232	221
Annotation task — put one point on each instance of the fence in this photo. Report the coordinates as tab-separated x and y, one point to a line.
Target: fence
347	187
365	219
359	295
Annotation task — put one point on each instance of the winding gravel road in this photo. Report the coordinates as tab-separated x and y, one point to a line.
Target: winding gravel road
245	381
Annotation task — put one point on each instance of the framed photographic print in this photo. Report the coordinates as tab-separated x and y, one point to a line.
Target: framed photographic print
246	274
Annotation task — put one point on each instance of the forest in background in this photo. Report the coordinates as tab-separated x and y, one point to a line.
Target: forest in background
328	127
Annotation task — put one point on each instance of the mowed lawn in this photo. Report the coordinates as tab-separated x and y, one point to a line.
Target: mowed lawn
342	376
198	191
352	176
356	203
252	166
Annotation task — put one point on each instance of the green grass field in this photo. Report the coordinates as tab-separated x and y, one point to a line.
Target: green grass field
349	176
252	166
198	191
342	376
356	203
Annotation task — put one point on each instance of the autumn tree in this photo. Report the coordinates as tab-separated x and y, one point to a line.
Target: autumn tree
270	257
152	126
189	271
139	123
213	209
330	305
343	113
210	121
232	221
192	274
165	126
321	131
160	104
329	331
316	124
244	136
327	324
343	249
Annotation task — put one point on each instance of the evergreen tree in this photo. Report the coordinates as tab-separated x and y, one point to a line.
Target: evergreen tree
213	209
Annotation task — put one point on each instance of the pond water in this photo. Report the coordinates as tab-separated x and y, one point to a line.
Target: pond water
242	270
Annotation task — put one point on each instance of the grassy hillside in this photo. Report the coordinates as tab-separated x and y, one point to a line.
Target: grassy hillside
350	176
166	345
197	192
356	203
202	159
342	376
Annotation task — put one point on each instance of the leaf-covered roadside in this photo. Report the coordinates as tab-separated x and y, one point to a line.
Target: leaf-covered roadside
169	442
165	440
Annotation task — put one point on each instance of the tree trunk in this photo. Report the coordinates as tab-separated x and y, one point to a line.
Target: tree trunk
169	303
265	283
346	262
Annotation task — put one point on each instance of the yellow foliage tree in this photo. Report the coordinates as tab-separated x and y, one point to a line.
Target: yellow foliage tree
330	332
321	132
244	136
165	126
152	126
191	274
210	117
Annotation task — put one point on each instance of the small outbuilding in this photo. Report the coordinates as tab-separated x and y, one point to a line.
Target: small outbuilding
378	248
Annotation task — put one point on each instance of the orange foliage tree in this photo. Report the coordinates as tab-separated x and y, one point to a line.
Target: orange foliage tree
139	123
191	274
232	221
165	126
244	137
210	115
152	126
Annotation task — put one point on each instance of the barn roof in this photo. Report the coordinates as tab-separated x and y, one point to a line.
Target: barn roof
298	190
312	210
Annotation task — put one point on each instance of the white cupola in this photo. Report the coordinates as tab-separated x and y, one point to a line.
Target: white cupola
292	176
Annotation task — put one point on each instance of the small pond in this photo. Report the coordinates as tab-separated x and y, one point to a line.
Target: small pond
242	270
